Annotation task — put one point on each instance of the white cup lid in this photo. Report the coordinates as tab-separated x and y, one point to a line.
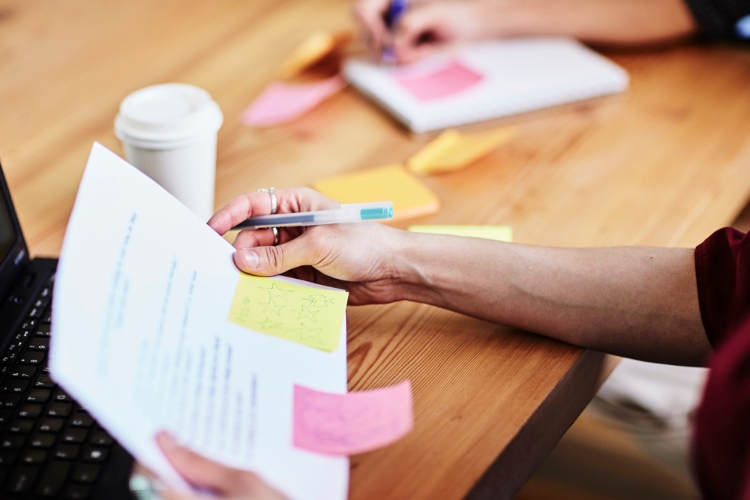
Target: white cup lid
167	115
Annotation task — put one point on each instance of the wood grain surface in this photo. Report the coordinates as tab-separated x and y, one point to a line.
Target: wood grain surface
665	163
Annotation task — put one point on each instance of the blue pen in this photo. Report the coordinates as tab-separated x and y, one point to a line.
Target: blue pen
347	213
395	11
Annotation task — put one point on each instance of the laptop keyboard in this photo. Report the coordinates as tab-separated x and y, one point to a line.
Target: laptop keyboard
49	445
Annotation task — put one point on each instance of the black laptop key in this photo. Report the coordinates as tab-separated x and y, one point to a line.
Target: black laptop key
86	473
43	331
97	455
38	395
74	436
16	386
82	420
14	442
34	457
62	396
101	438
9	400
67	452
53	479
8	358
59	409
8	458
30	410
44	381
21	426
24	372
44	441
77	492
5	416
35	358
21	479
51	425
39	344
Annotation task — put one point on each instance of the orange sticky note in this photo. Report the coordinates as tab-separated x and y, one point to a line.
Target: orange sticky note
453	150
346	424
282	102
410	197
314	48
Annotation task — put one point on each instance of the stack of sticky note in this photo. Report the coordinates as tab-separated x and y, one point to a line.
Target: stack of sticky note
410	197
453	150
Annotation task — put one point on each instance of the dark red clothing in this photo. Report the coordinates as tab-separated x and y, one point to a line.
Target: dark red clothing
721	439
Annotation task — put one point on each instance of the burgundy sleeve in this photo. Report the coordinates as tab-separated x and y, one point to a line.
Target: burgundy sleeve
722	268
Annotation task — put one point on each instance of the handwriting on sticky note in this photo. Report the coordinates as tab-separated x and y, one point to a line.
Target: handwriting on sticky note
453	150
444	81
282	102
345	424
309	316
497	233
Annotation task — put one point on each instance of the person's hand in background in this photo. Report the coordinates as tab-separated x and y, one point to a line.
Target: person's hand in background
431	26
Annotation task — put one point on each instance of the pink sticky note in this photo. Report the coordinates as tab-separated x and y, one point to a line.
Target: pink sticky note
444	81
282	102
345	424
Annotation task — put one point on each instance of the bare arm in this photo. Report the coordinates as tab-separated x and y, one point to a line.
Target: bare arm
631	301
636	302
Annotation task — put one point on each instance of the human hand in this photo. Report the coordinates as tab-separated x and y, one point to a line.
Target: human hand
430	26
426	27
361	257
222	481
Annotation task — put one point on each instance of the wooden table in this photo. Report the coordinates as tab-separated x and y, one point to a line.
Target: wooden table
664	164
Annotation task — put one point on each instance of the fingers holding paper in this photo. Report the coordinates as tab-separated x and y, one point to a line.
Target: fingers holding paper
357	257
221	481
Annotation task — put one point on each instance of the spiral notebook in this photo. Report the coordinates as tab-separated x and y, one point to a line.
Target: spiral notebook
487	80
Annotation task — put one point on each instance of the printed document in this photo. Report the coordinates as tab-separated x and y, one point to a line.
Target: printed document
142	337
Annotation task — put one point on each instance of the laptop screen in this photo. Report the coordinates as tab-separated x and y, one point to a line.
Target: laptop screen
13	253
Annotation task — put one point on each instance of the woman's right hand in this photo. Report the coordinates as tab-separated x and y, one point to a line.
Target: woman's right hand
362	258
426	27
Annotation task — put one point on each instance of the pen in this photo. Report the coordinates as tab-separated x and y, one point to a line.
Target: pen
359	212
395	11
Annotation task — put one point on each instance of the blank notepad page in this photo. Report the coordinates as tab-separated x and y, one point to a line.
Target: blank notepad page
487	80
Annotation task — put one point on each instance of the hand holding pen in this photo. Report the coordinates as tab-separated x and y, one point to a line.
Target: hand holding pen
423	27
356	257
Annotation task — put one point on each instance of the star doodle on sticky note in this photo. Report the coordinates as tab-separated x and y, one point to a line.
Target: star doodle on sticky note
273	308
306	334
318	300
276	294
307	313
269	324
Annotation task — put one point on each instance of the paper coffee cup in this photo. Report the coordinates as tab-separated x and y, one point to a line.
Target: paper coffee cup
168	132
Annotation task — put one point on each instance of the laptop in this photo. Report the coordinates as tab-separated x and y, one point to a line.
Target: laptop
50	447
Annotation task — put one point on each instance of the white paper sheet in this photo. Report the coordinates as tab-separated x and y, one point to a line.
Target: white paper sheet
140	337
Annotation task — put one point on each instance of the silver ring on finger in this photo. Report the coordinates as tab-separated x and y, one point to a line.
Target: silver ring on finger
274	202
275	232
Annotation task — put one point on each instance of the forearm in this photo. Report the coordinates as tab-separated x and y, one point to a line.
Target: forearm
631	301
611	22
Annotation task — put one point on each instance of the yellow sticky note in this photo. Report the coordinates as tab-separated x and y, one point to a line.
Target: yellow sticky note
312	50
499	233
453	150
302	314
410	197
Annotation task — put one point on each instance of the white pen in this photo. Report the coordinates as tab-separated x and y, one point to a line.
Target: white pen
360	212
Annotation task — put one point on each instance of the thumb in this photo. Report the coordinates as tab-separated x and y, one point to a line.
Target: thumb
273	260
